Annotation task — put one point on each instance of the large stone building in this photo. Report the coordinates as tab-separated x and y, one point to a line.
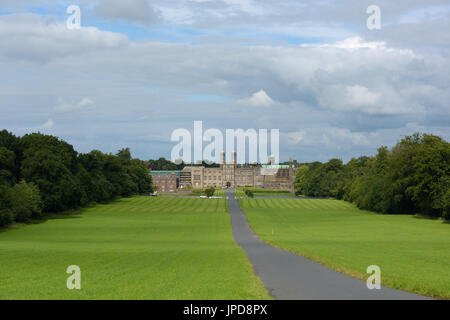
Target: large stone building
165	181
231	175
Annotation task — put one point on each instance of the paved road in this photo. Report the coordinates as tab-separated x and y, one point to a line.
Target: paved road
288	276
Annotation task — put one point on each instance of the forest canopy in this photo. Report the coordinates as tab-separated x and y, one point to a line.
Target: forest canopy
41	173
412	177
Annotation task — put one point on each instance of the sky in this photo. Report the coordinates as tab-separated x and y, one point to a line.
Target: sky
137	70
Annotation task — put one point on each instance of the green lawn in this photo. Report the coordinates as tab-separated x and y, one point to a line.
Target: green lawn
413	252
134	248
239	193
201	192
259	192
274	195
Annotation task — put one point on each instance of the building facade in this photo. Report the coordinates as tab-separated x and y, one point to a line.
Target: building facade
231	175
165	181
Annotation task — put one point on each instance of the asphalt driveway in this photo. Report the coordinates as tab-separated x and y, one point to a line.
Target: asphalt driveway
288	276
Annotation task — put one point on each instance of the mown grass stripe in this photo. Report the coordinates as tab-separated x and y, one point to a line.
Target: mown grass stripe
149	247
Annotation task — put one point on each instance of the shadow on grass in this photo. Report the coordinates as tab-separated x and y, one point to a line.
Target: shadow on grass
433	218
65	215
70	214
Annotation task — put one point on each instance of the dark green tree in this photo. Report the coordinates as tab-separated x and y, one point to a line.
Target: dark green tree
7	166
413	177
25	201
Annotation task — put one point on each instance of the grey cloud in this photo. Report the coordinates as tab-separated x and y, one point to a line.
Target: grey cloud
63	106
427	34
150	80
310	19
136	11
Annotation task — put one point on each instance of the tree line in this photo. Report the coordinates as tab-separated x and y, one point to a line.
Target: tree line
412	177
167	165
41	173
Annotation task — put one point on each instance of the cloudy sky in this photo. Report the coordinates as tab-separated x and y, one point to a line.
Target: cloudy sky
137	70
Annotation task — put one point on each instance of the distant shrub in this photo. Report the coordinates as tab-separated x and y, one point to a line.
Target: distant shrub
210	192
249	193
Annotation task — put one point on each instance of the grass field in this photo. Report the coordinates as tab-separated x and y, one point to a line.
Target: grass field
134	248
201	192
274	195
217	193
268	191
239	193
258	193
412	252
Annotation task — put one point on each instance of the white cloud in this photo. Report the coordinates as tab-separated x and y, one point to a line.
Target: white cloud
295	137
48	125
258	99
34	38
64	107
328	136
360	96
385	101
352	43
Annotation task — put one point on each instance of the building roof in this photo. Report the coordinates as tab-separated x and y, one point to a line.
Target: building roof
164	173
275	166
